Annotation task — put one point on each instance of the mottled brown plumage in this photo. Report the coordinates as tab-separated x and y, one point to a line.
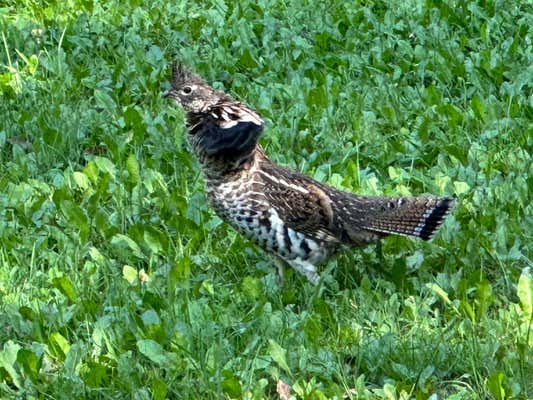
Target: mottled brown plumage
290	215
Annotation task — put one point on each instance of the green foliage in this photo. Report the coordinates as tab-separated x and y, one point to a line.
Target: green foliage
117	281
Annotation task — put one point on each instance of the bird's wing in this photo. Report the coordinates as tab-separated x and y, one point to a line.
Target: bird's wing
300	203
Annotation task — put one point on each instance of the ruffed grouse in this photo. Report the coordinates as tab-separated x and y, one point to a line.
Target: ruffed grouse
300	220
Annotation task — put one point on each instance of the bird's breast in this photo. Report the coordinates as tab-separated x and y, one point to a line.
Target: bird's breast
246	208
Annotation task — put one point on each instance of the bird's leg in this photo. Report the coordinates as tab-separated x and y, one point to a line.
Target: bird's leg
379	252
280	271
306	269
316	290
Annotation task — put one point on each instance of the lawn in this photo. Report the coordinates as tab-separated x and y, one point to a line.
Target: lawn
118	282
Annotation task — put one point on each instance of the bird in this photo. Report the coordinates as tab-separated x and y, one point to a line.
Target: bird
300	221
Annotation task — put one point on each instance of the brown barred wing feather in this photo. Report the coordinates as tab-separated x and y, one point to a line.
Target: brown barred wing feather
301	204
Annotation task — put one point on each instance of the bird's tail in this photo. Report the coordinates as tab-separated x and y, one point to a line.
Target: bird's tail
410	216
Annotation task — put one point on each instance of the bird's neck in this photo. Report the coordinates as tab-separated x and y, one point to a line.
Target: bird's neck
225	139
225	170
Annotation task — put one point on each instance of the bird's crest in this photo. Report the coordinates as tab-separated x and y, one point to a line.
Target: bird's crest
182	76
191	91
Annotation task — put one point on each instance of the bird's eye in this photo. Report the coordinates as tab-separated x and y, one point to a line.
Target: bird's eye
187	90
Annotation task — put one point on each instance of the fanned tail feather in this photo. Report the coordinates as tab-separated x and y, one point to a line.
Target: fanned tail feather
417	216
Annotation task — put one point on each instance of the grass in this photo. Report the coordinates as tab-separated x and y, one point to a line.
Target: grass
117	281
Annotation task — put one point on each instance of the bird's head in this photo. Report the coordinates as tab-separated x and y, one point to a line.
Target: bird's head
191	91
